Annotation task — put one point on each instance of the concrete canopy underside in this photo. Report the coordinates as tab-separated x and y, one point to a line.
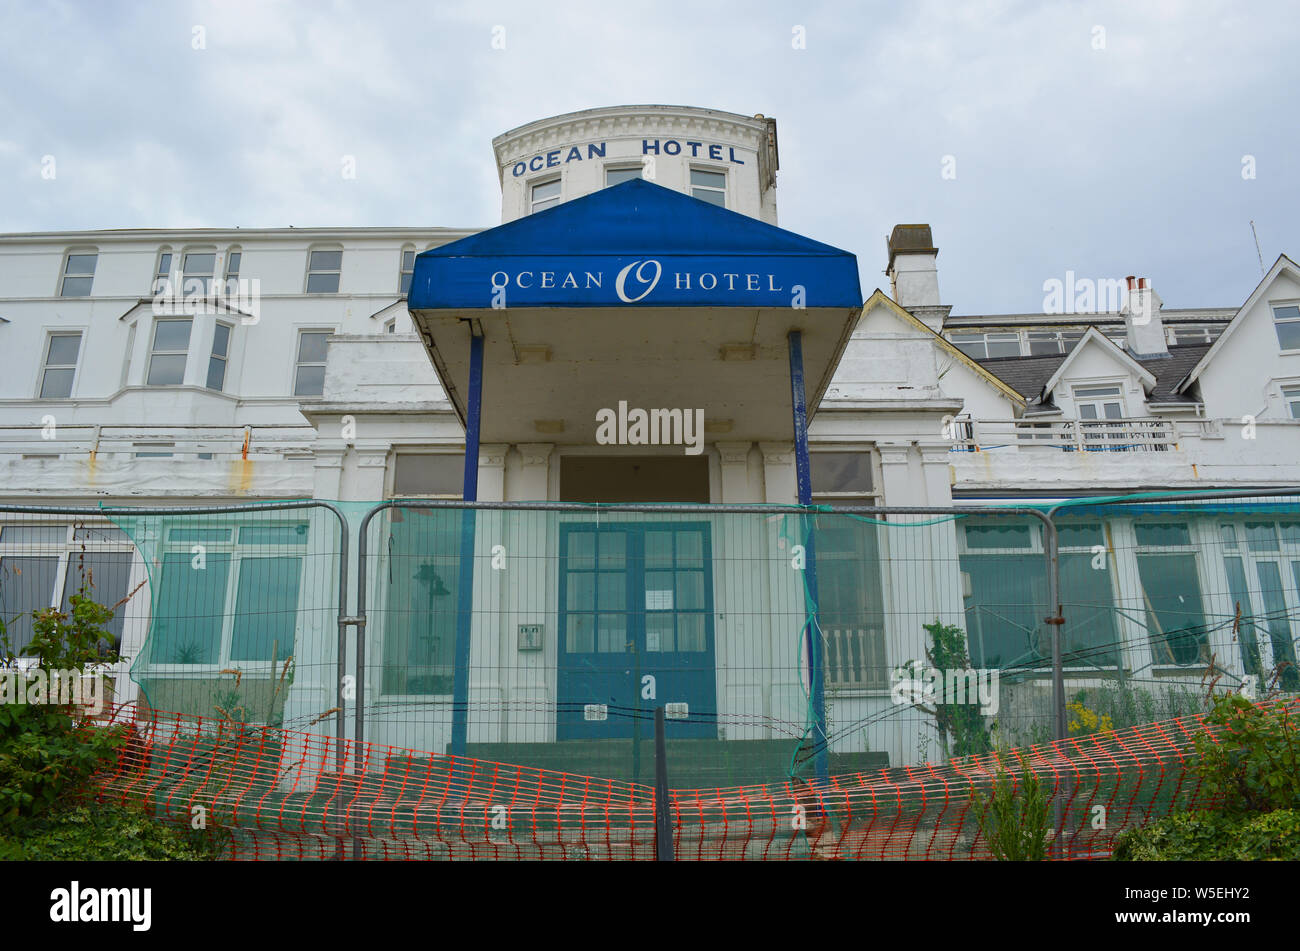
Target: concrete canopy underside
548	371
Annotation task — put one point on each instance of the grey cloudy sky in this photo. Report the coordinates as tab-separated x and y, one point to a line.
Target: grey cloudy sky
1121	160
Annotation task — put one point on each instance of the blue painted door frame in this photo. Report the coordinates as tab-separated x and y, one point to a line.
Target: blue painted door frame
635	629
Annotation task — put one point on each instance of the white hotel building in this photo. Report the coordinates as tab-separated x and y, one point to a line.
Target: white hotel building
313	379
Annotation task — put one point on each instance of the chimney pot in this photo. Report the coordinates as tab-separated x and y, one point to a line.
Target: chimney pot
1130	280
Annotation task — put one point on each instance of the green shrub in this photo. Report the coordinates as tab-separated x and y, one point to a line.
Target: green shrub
1013	818
962	721
1253	765
1213	836
104	833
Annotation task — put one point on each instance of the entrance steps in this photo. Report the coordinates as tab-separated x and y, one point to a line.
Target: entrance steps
692	763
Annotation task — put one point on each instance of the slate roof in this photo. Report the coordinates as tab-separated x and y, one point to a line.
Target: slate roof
1028	375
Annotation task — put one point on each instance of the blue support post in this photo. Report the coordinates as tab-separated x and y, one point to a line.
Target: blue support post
465	589
803	473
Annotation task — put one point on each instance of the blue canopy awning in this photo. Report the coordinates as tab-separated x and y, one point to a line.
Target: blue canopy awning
636	244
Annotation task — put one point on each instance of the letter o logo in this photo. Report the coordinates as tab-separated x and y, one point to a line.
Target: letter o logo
640	266
519	169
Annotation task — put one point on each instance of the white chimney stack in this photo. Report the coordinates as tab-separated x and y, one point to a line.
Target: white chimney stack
1144	330
914	274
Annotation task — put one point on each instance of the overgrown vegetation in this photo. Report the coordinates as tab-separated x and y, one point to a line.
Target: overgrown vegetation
50	750
962	727
1250	776
1013	817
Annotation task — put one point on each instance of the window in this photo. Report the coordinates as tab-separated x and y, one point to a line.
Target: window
1171	593
418	588
852	605
842	475
234	257
309	372
407	271
1099	402
171	344
1047	342
44	565
390	326
242	607
1266	574
78	274
163	272
1287	321
432	474
323	270
985	346
544	195
617	176
1291	396
1005	581
196	272
60	366
709	186
1194	333
220	354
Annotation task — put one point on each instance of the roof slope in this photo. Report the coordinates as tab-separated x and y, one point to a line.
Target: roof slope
1028	375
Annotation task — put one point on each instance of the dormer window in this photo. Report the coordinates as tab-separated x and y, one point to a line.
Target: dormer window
1286	318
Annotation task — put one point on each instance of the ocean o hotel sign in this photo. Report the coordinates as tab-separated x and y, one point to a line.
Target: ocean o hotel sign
562	156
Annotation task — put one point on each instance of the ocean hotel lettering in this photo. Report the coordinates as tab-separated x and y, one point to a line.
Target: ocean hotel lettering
552	159
636	280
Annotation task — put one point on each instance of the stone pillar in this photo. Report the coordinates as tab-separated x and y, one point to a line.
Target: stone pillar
533	479
781	487
733	458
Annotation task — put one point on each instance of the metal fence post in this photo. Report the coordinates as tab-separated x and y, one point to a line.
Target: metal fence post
663	819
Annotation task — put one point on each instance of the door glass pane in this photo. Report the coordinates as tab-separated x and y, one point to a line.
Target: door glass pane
580	638
1087	411
690	591
659	590
612	633
1114	411
690	550
266	609
613	591
659	633
582	550
690	632
658	551
582	591
613	549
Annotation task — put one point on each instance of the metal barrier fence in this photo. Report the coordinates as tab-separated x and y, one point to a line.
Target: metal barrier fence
789	648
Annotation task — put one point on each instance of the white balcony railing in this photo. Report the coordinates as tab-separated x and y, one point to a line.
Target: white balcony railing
1065	435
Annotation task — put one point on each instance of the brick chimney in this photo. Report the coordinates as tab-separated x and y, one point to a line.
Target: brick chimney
913	274
1144	330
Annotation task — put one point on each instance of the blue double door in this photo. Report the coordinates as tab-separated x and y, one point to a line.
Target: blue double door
636	630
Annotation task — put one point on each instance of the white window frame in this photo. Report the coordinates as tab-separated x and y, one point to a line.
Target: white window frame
50	334
638	167
533	204
162	272
153	339
390	486
1099	401
259	669
404	277
224	358
297	349
337	272
64	275
1289	390
1194	547
232	274
67	551
208	278
1273	306
691	187
984	335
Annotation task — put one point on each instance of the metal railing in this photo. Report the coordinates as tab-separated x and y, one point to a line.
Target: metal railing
1066	435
